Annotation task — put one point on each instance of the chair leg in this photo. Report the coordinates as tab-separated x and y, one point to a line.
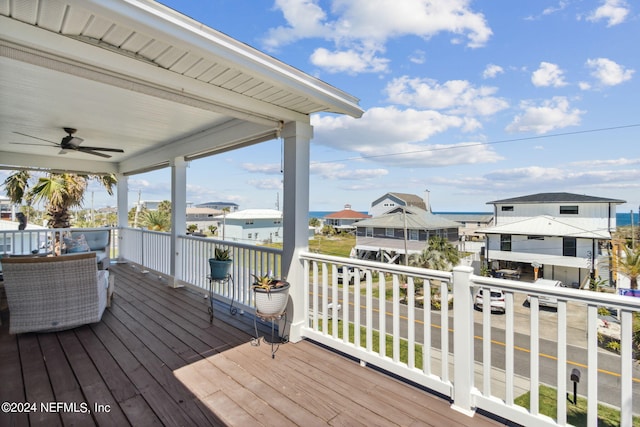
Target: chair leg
111	289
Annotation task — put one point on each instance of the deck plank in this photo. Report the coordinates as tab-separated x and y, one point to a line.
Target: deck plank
155	360
91	382
63	381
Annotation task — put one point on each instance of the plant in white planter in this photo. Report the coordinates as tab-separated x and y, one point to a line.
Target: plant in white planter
271	295
220	264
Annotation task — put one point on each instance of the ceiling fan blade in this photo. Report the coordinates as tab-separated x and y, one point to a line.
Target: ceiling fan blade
35	137
88	150
31	143
113	150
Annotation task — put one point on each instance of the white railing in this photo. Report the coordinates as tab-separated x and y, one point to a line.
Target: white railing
489	364
248	260
151	249
339	311
600	367
433	338
45	241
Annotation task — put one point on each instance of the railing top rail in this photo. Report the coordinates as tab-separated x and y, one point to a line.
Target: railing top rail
221	242
378	266
146	231
569	294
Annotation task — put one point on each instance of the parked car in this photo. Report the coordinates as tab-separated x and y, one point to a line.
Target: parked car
545	301
351	271
496	302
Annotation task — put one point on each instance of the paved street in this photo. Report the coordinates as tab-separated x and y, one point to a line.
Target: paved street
609	363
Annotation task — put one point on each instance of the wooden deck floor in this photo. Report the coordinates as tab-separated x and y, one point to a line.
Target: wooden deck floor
154	359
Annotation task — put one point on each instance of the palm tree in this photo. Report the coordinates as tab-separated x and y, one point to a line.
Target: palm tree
156	220
630	265
431	259
440	244
60	192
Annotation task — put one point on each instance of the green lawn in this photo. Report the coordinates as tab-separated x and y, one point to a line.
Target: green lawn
576	414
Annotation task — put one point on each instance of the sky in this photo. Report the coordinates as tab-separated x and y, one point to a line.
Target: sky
474	101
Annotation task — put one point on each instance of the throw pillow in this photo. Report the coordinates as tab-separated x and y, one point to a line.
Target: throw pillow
76	245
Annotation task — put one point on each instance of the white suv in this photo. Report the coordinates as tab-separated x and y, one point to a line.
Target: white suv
544	300
496	302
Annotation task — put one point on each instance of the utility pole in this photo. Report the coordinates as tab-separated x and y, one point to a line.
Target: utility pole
633	233
135	216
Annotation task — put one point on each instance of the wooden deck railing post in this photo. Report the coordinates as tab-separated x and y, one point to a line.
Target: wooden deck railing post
462	340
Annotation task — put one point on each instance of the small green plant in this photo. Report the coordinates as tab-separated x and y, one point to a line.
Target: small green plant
267	283
614	346
603	311
221	254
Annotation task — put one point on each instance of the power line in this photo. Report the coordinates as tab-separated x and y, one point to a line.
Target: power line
476	144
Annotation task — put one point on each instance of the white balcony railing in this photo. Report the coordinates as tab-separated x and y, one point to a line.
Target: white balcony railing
376	313
487	362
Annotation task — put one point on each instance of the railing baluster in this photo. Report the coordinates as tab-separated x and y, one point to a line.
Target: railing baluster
562	363
592	363
534	368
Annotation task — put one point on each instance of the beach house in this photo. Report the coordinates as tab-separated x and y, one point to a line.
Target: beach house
560	236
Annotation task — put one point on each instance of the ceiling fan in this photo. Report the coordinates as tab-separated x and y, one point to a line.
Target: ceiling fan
71	142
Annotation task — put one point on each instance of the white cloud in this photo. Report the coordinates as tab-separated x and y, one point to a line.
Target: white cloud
548	74
349	61
266	168
305	19
491	71
613	11
553	9
396	137
340	171
380	126
266	184
621	162
608	72
584	85
453	96
418	57
359	29
550	115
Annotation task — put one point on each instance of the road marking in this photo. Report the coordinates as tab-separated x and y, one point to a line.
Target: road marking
548	356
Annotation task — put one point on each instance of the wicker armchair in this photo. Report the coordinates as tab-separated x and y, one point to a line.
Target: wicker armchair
54	293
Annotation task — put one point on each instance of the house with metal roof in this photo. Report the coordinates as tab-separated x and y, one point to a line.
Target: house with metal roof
401	230
561	236
390	200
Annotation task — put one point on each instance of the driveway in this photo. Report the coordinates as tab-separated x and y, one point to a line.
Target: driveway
548	321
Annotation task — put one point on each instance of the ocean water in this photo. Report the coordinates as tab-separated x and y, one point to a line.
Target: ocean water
622	218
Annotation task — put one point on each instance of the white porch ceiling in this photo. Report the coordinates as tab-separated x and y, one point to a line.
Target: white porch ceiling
138	76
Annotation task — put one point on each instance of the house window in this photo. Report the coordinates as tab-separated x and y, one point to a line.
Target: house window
535	237
568	210
248	222
505	242
413	234
249	236
389	232
507	209
277	221
368	232
568	246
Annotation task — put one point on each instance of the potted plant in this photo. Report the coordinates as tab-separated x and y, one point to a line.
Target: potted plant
270	295
220	264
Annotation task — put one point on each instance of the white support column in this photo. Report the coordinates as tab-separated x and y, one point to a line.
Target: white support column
178	215
122	194
462	341
122	190
297	138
